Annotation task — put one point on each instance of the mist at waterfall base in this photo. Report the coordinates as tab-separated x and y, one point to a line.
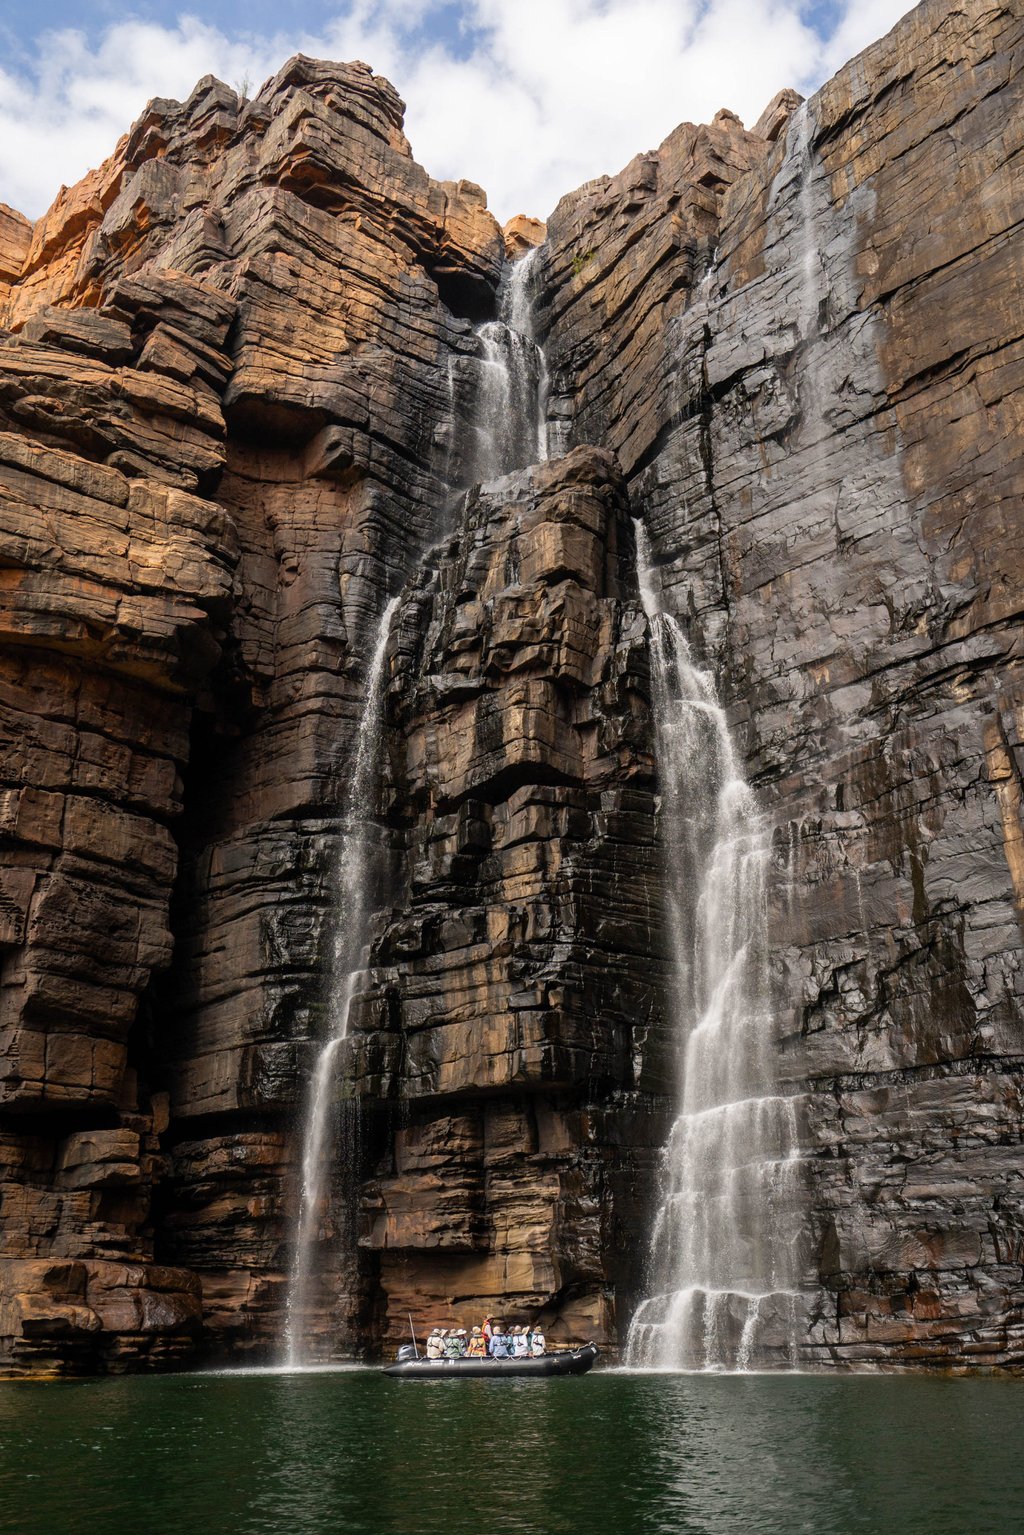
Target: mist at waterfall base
724	1259
357	1454
353	886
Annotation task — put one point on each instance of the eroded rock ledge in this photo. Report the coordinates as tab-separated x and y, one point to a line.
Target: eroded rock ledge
231	365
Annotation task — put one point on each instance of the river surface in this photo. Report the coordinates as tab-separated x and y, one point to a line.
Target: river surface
612	1454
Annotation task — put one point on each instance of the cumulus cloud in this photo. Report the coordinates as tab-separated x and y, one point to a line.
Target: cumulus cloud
529	101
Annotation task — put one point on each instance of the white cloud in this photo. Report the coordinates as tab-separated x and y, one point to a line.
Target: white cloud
555	92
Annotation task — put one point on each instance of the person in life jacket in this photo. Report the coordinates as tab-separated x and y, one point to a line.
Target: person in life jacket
435	1343
537	1343
454	1345
499	1342
476	1348
520	1343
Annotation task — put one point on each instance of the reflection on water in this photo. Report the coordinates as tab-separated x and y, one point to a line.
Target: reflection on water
352	1453
235	1372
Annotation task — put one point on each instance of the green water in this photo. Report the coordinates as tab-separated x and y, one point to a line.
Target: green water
355	1452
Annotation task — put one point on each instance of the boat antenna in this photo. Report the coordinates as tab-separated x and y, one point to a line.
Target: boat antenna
413	1331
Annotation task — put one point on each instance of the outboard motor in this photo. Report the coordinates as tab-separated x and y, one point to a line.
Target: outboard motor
406	1354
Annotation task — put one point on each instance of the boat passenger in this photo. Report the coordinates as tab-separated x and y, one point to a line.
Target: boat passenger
499	1342
520	1345
435	1343
476	1348
537	1343
454	1347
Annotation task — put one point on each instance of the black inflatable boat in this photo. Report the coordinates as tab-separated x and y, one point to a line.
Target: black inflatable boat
575	1361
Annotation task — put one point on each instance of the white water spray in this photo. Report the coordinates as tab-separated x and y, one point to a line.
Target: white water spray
511	417
350	916
724	1257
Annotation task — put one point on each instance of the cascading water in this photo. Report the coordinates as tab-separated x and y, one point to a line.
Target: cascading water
724	1260
512	403
798	164
353	880
510	433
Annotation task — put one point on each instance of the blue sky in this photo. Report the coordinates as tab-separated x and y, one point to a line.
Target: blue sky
527	97
23	23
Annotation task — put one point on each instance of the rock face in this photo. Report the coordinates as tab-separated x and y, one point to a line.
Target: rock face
517	968
822	433
238	368
218	450
116	592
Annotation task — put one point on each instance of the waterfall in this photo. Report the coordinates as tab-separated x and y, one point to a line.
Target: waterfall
805	260
724	1263
353	879
512	406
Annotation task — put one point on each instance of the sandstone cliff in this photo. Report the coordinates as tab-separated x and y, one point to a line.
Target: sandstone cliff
816	400
236	362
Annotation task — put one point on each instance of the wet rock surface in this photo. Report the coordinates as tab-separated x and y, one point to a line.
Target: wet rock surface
217	417
519	968
830	482
237	365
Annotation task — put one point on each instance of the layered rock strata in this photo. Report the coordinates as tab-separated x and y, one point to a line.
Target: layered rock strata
518	969
236	392
220	404
820	421
116	593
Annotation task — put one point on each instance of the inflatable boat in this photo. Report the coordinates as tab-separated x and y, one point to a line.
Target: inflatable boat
575	1361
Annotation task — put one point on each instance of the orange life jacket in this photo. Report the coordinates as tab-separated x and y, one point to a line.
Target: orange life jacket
477	1348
